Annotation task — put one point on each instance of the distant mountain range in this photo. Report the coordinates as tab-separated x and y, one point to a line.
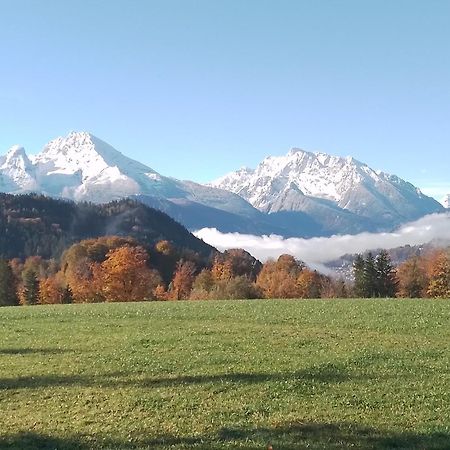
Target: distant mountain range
300	194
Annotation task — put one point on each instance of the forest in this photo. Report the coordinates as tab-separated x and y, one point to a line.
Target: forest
52	251
118	269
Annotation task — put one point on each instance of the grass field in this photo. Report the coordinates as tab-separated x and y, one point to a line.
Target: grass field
230	374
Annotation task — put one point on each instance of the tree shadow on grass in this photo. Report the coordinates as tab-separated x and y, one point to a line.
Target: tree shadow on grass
35	441
286	437
28	351
322	374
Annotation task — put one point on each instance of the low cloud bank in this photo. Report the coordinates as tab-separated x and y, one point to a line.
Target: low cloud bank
316	251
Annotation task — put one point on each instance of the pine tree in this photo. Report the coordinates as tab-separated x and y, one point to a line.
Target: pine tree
358	274
387	281
30	287
8	296
67	295
369	277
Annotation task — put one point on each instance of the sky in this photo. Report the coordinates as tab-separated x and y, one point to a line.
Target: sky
198	88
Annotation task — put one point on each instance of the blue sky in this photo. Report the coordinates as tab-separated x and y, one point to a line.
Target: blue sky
198	88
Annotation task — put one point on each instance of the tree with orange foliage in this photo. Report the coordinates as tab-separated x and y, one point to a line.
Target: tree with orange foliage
160	293
439	285
183	279
77	271
125	275
308	284
412	278
222	270
51	291
279	279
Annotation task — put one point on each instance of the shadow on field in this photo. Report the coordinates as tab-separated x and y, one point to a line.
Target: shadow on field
323	374
34	441
30	351
286	437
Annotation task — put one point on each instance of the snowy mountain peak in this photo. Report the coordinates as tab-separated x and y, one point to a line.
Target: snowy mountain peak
302	179
315	174
78	166
446	201
16	151
16	170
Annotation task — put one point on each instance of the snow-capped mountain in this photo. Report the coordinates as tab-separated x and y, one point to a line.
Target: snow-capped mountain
446	201
327	186
16	170
300	194
82	167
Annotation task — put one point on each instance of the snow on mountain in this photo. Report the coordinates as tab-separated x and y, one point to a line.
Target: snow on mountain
82	167
446	201
303	181
16	170
306	194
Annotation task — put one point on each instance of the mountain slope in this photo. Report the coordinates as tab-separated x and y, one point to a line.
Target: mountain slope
301	194
38	225
330	189
82	167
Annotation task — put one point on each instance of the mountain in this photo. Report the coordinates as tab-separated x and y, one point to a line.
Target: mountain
341	193
33	224
301	194
446	201
82	167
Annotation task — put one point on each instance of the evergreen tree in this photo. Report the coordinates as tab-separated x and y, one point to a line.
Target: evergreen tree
30	287
67	295
369	277
387	281
8	296
358	274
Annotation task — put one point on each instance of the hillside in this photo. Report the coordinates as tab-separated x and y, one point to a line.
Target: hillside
37	225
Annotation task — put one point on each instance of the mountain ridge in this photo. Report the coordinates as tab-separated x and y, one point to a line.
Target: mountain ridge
299	194
301	181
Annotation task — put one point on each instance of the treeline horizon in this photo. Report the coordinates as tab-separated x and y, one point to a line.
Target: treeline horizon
120	269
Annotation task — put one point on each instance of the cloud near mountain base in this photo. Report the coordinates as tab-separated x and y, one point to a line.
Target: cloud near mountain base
316	251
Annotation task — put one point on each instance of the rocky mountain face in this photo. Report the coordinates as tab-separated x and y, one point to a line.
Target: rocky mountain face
300	194
82	167
340	192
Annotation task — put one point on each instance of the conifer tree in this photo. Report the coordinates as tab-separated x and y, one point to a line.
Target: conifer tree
30	287
387	281
370	276
358	274
8	296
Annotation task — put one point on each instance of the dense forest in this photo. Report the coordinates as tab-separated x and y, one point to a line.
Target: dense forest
52	251
35	225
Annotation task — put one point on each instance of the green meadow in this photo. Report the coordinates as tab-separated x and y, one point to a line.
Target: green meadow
290	374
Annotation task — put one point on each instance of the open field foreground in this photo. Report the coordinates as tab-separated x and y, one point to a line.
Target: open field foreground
225	375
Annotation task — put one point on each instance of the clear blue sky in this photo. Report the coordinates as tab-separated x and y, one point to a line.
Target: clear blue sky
198	88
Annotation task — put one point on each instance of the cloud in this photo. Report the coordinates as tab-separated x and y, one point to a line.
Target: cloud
316	251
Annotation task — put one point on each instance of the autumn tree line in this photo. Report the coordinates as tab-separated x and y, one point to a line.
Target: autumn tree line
117	269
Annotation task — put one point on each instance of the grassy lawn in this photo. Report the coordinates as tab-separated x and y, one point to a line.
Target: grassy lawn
230	374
